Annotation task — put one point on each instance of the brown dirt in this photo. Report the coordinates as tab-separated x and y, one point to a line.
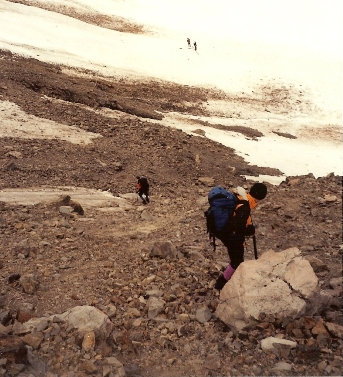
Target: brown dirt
247	131
89	16
101	258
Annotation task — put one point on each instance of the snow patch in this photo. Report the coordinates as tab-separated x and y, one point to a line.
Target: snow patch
16	123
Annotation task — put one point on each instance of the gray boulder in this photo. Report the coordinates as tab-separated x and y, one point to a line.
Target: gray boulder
29	283
280	284
83	318
87	318
164	250
155	306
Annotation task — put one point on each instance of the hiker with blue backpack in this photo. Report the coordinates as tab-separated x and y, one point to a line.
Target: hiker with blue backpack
229	219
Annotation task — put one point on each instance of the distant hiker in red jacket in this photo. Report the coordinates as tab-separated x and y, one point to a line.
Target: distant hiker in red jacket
143	189
189	43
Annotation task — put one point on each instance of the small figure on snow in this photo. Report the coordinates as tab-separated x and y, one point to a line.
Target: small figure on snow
195	46
189	43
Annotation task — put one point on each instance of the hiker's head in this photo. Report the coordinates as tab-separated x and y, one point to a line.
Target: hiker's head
138	176
258	191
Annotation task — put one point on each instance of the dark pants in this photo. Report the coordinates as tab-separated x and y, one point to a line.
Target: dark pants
235	249
145	192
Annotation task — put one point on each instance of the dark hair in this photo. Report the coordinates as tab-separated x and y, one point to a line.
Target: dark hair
258	191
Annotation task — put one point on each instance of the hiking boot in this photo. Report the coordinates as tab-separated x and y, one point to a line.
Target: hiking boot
221	281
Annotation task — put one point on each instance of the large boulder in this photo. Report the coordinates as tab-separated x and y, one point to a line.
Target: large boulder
280	284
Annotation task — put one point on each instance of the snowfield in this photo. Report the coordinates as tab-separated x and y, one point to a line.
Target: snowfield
242	48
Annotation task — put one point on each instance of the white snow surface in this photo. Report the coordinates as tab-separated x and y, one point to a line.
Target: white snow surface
241	44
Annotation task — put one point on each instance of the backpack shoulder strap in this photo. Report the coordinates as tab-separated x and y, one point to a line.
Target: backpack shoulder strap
241	215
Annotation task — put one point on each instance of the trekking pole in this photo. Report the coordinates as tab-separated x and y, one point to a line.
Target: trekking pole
255	246
214	243
254	241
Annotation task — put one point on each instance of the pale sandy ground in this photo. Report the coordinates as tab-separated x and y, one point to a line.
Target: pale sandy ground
51	194
235	65
88	198
16	123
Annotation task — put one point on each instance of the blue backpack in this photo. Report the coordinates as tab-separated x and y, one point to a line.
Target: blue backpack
219	215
